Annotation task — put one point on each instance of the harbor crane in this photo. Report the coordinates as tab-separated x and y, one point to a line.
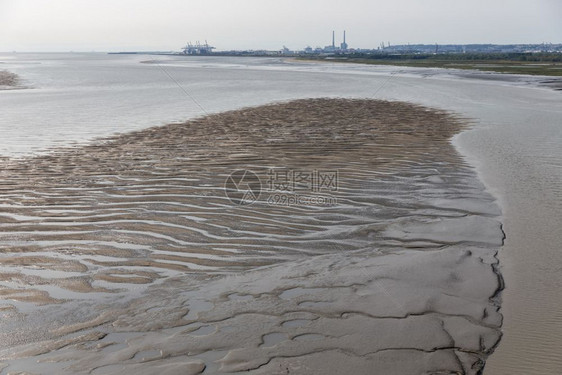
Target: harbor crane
197	48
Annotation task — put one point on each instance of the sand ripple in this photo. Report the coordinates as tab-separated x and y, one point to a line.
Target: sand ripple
144	214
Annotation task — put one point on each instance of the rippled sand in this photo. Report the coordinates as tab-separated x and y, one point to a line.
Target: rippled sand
126	255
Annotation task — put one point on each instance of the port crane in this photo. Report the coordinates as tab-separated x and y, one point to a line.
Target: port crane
197	48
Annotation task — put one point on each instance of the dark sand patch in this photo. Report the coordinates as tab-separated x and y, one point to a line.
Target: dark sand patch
8	80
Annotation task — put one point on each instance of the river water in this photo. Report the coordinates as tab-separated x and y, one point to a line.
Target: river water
515	144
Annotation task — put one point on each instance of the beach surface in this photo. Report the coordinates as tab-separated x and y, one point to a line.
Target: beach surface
129	254
8	80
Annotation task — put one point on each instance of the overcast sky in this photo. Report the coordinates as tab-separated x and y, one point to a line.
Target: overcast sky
120	25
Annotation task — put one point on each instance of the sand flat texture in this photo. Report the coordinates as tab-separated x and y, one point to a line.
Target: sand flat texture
133	240
8	80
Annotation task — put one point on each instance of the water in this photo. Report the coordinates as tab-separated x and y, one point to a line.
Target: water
76	97
515	145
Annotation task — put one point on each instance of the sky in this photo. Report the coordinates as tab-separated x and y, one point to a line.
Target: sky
141	25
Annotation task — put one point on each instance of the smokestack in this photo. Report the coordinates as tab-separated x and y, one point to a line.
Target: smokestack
333	39
344	37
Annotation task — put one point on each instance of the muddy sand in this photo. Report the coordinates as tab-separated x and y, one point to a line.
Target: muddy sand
128	255
8	80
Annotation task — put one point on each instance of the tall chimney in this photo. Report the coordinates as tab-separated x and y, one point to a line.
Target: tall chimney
333	39
344	37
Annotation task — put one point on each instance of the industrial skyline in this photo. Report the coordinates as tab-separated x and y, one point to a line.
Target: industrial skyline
120	25
343	47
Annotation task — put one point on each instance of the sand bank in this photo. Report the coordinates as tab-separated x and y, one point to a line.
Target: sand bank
396	276
8	80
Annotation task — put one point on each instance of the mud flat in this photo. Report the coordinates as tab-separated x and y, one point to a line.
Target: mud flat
8	80
128	256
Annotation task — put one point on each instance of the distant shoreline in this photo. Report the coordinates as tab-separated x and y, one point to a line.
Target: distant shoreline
544	68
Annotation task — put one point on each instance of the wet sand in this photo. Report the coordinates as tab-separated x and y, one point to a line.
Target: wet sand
521	161
8	80
126	255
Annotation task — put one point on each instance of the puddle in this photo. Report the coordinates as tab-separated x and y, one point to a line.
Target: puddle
272	339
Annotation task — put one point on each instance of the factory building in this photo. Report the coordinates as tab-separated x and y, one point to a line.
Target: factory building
343	47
